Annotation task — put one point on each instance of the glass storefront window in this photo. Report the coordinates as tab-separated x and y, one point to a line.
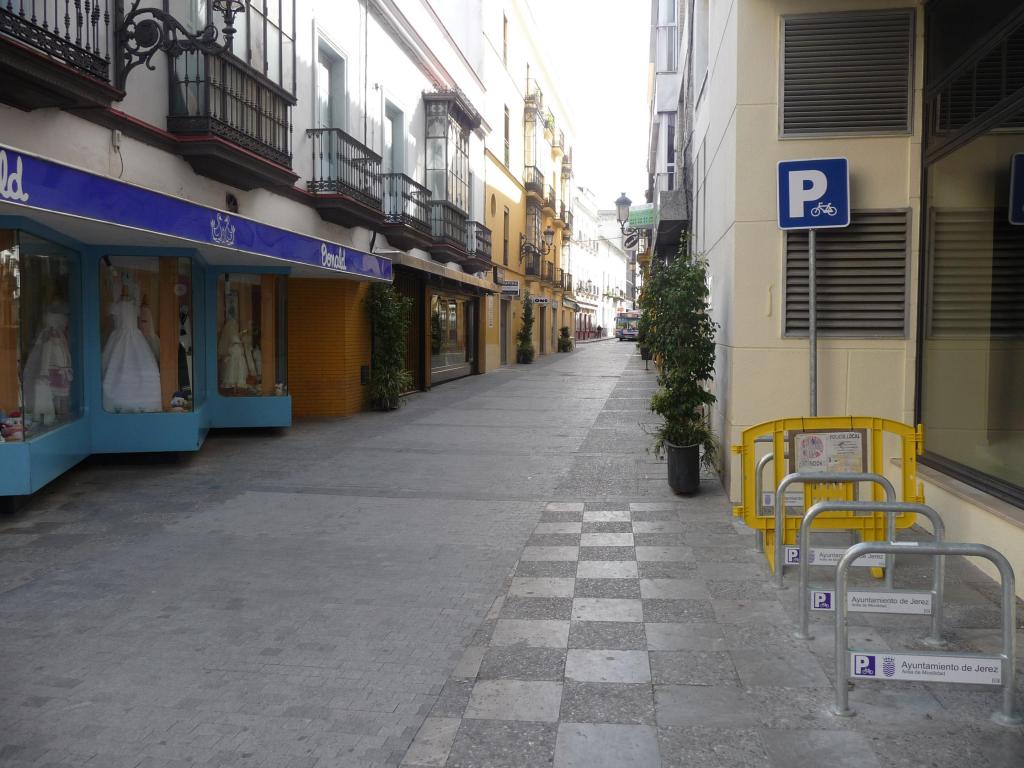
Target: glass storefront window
251	359
973	331
146	334
39	336
452	337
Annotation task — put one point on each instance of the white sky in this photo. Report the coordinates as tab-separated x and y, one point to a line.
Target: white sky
598	50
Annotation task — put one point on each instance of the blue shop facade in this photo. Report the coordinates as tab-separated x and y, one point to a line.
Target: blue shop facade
134	321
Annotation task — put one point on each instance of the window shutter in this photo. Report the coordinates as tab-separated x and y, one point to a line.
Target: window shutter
861	277
976	275
847	72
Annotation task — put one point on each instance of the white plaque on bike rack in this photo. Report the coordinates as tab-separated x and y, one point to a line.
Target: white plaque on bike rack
831	556
931	668
874	601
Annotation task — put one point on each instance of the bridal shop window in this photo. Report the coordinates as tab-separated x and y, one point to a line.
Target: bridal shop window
38	337
250	339
146	332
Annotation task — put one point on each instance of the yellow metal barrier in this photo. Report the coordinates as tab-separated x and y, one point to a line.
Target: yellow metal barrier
823	444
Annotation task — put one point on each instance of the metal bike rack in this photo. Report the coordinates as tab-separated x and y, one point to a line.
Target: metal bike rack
811	478
891	510
763	462
860	665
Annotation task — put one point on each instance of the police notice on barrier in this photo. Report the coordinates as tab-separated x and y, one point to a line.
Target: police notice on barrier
979	670
875	601
832	556
822	450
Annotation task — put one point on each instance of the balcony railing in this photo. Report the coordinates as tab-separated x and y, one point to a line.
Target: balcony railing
77	34
533	179
567	283
568	219
448	223
532	262
222	96
406	202
534	97
342	165
558	142
559	278
549	272
549	197
479	240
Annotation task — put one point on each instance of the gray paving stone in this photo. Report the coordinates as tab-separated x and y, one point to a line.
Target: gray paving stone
546	568
542	587
542	540
503	744
607	553
685	747
627	703
606	516
558	608
469	663
565	506
716	706
532	633
654	515
433	743
757	612
663	554
606	540
620	635
672	611
523	663
660	540
688	636
607	666
668	570
791	668
562	553
657	526
674	589
515	700
608	527
587	745
607	569
562	517
453	699
623	588
841	749
606	609
692	668
557	528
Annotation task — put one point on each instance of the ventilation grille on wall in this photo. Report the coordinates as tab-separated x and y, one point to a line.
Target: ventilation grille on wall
861	277
847	72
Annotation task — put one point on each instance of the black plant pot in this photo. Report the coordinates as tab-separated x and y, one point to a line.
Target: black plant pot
683	467
645	353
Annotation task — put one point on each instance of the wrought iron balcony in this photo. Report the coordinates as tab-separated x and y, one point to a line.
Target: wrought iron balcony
56	54
567	218
559	278
558	141
568	284
448	224
238	121
479	240
406	212
550	204
534	180
548	275
344	166
534	97
532	264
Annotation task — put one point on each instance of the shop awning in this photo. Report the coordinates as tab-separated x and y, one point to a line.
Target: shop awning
570	304
439	270
99	210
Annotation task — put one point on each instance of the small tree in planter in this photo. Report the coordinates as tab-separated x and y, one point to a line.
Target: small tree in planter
524	339
390	315
564	339
681	336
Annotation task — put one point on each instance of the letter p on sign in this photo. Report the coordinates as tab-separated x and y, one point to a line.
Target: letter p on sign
814	194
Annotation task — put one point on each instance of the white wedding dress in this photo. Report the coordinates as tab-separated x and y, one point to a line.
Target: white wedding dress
49	370
131	377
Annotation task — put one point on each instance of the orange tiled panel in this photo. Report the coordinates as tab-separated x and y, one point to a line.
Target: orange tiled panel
328	341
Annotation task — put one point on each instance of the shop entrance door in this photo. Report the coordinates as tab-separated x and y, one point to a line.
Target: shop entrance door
543	330
504	331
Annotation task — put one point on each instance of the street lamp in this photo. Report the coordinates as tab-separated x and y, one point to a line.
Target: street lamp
630	235
526	247
139	38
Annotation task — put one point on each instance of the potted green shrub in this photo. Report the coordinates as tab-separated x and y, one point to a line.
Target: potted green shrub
524	339
681	336
390	316
564	339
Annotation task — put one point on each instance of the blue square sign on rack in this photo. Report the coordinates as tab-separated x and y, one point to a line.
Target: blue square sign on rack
814	194
1017	189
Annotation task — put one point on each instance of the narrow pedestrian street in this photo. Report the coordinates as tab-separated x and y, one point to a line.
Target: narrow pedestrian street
495	575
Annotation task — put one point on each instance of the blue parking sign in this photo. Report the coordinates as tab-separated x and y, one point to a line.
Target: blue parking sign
814	194
1017	190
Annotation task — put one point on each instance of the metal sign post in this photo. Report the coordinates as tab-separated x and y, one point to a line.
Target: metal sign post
825	182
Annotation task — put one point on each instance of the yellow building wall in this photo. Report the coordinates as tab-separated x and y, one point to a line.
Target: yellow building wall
328	342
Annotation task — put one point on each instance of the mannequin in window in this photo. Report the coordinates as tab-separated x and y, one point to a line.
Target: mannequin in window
234	371
131	376
48	369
